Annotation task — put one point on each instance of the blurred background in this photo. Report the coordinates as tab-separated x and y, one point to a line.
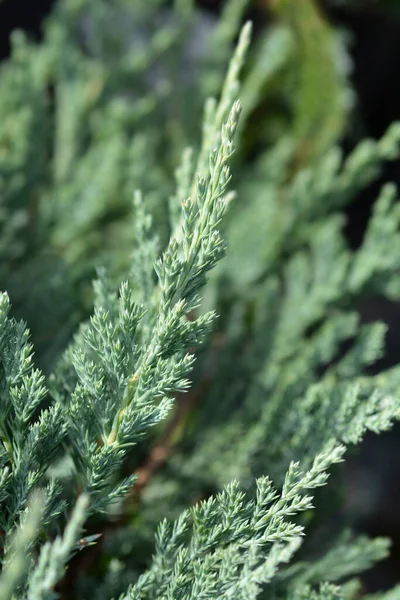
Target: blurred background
372	28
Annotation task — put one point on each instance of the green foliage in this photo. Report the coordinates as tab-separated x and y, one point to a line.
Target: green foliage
29	439
226	546
157	420
54	556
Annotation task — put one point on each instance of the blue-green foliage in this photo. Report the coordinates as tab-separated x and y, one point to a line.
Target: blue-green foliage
123	148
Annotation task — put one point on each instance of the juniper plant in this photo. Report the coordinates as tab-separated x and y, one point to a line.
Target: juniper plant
182	452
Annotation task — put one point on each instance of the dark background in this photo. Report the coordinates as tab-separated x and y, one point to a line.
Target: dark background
373	475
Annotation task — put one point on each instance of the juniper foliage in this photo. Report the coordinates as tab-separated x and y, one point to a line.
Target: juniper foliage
197	445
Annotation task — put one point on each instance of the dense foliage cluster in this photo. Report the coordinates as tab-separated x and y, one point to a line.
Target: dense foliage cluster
169	436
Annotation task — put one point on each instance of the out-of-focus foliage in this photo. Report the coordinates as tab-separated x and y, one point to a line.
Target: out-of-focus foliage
123	145
89	100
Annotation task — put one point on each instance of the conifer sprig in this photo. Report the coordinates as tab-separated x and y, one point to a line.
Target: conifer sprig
227	546
30	434
125	376
87	116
